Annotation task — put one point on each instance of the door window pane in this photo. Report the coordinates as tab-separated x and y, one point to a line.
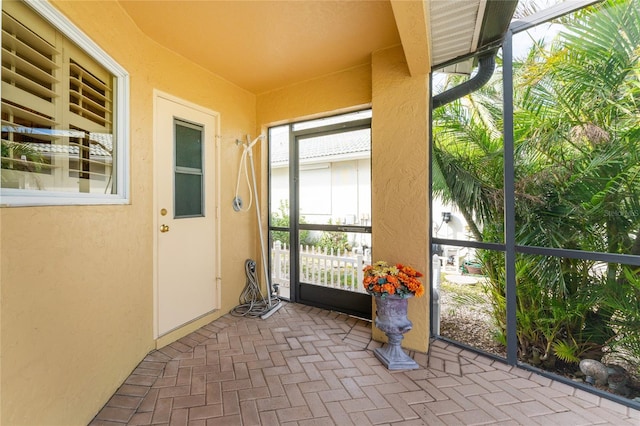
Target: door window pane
188	195
188	176
188	146
335	178
335	259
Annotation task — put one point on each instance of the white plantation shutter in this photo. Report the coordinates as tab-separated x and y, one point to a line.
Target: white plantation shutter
90	97
29	81
90	105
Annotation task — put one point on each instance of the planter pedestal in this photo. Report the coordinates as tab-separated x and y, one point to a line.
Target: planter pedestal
391	317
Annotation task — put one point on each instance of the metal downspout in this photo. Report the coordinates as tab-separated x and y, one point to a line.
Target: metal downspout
486	66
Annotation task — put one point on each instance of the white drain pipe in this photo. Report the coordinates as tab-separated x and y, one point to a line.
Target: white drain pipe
435	294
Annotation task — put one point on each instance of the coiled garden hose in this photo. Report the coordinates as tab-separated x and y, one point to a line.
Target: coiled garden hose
252	302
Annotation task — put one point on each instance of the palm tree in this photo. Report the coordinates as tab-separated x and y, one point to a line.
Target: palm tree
581	128
577	130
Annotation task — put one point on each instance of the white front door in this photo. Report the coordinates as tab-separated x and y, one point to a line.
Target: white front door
185	214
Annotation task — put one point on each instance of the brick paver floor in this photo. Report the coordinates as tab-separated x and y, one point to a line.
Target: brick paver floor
307	366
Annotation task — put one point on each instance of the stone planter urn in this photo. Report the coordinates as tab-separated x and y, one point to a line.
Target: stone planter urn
391	317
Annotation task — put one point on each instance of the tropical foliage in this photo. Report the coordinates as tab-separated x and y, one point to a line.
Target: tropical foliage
577	185
280	218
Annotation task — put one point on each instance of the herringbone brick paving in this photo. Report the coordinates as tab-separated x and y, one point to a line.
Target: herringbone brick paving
307	366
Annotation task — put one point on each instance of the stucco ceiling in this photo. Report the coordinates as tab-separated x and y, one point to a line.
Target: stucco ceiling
264	45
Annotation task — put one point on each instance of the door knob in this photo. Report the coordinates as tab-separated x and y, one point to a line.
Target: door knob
164	228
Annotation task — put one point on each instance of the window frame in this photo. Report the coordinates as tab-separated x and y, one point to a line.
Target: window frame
11	197
186	170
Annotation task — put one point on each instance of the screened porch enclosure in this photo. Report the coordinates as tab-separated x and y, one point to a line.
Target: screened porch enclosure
540	167
320	210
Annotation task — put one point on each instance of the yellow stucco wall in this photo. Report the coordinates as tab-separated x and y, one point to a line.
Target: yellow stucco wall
77	282
400	165
326	95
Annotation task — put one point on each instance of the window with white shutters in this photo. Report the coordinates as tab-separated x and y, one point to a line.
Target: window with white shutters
63	113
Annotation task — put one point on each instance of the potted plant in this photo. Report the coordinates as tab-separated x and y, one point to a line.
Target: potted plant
472	267
392	286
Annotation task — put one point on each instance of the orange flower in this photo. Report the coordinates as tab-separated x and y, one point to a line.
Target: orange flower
402	280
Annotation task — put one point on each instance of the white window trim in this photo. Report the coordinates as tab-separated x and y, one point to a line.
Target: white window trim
19	197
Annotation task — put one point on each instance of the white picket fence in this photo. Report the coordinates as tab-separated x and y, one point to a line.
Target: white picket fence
319	267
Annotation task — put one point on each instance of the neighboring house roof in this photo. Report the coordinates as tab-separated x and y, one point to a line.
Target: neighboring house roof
338	147
71	150
100	144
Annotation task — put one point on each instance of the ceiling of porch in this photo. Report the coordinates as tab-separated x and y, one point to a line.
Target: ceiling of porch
265	45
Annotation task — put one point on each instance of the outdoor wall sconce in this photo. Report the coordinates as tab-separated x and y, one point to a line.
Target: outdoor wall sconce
446	217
